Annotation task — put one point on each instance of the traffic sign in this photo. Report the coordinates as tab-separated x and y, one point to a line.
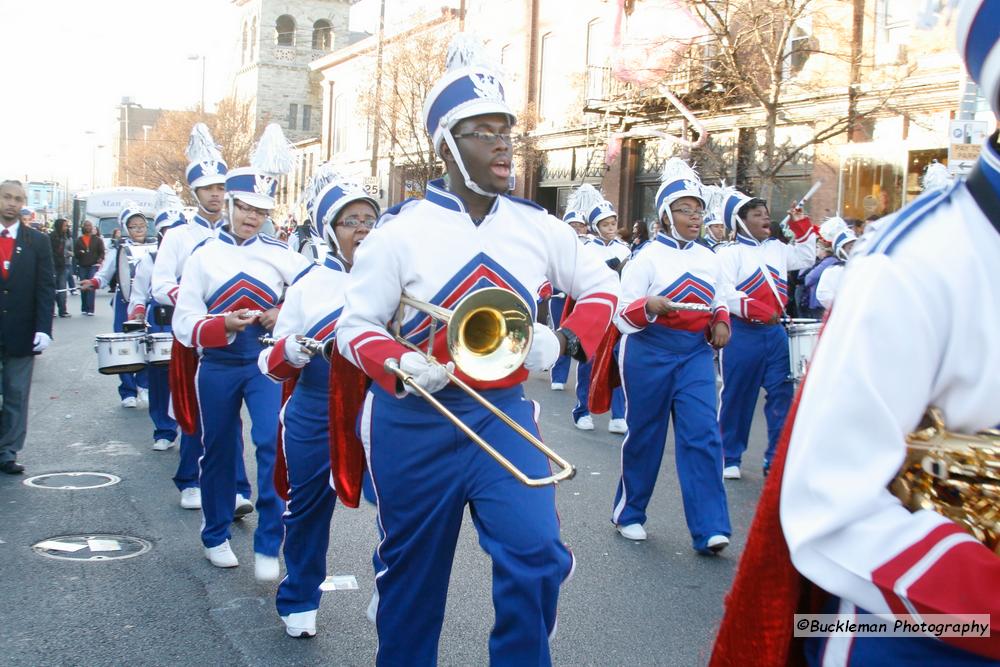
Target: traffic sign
965	141
370	184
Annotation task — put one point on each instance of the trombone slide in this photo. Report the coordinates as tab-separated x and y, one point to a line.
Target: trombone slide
311	345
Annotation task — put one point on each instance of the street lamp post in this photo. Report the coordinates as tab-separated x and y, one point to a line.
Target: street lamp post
202	58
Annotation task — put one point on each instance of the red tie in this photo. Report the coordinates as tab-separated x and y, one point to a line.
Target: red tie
6	249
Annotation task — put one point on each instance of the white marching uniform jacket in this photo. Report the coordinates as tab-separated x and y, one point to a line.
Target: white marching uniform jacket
221	276
433	250
174	251
613	249
828	284
921	328
742	262
141	287
685	272
311	308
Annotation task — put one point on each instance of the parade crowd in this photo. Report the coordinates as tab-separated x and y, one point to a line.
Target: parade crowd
333	340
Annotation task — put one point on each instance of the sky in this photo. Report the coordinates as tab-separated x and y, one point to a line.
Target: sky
69	63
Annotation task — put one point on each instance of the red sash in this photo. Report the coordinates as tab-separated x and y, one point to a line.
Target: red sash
347	455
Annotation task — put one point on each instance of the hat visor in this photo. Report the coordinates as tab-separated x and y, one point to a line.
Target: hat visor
203	181
255	199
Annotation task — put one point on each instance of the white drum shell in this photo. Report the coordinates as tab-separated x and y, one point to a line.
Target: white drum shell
120	353
158	346
801	343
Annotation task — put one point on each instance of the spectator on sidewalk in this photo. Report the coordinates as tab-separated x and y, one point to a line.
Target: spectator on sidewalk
89	253
62	259
27	282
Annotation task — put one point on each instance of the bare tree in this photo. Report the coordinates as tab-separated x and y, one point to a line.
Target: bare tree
410	68
159	158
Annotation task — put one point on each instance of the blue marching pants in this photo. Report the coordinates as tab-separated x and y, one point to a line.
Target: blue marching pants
223	386
164	426
757	356
189	470
559	372
583	394
311	499
668	374
128	383
425	471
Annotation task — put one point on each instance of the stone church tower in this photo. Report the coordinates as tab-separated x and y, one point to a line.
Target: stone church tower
276	40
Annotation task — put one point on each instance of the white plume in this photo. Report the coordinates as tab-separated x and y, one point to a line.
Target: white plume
167	199
325	174
936	177
273	154
832	228
466	50
584	199
714	198
676	169
201	146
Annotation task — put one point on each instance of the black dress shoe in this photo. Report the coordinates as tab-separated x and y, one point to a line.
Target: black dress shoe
11	467
65	315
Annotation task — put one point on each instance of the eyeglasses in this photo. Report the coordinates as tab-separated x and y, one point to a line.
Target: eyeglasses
353	221
250	210
489	138
688	213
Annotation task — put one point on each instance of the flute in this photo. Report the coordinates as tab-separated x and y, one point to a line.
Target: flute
249	315
697	307
784	221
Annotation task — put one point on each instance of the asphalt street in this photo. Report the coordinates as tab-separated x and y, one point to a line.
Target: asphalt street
651	603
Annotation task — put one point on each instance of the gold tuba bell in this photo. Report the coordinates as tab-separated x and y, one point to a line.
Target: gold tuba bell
488	337
955	475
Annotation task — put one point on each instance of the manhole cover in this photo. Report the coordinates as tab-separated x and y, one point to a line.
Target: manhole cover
72	481
92	547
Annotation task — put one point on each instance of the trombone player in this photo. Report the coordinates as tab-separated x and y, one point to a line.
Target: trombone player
424	470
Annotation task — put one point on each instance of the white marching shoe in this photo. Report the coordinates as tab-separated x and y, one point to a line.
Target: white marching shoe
731	472
129	402
617	426
717	543
162	445
585	423
243	506
221	556
266	568
558	386
300	624
142	396
633	531
191	498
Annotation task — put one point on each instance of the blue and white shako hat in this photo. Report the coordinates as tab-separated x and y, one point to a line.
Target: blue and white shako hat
337	193
677	180
205	163
169	209
572	215
591	205
838	233
979	46
255	185
129	210
730	201
471	86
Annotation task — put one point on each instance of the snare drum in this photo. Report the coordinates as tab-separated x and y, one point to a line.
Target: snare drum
120	353
158	347
802	337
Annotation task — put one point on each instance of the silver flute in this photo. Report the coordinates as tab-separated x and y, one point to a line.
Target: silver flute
698	307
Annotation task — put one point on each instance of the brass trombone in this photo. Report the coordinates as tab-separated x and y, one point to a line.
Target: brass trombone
488	336
310	345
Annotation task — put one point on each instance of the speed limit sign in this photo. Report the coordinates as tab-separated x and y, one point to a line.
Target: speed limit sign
371	186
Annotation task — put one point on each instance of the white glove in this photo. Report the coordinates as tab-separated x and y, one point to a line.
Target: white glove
428	374
544	352
42	341
295	354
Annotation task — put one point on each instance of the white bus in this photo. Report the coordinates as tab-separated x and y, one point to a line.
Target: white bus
102	207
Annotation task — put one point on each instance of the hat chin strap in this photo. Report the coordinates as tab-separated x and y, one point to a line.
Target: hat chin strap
746	231
673	230
469	183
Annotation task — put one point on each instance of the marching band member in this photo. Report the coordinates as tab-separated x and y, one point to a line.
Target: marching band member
311	308
757	356
929	335
842	239
465	234
132	387
206	177
557	304
228	298
169	213
715	230
602	222
667	369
